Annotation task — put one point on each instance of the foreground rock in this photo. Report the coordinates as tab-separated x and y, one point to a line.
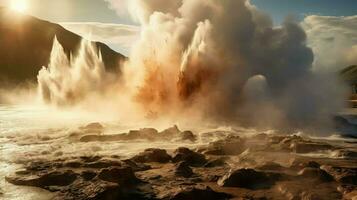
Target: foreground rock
107	184
267	168
43	181
120	175
232	145
190	157
298	144
193	193
183	169
249	178
152	155
316	173
150	134
342	174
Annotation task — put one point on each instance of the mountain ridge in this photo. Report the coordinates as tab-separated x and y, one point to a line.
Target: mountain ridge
26	44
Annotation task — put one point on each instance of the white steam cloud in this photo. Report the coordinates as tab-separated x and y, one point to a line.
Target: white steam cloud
67	81
333	39
224	62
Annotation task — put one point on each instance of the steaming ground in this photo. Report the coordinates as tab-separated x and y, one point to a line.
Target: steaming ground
40	133
36	132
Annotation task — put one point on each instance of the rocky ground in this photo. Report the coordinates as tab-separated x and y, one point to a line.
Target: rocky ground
260	166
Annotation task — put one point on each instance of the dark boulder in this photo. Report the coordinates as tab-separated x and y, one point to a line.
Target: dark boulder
197	193
103	163
88	175
345	154
249	178
170	132
92	128
120	175
188	135
183	169
152	155
136	166
342	175
232	145
316	173
57	178
145	133
270	166
215	162
190	157
308	147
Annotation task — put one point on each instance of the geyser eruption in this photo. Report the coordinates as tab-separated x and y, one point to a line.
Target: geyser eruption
196	57
68	80
199	59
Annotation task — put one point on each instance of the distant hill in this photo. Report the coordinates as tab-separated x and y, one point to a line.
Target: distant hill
26	43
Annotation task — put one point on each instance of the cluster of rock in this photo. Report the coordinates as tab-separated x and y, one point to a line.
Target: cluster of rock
92	134
233	167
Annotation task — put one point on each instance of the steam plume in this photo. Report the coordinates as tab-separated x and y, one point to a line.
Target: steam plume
69	80
220	61
198	55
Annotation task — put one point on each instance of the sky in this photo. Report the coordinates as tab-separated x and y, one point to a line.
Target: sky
279	9
98	10
329	24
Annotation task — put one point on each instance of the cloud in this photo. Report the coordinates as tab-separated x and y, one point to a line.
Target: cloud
118	36
333	40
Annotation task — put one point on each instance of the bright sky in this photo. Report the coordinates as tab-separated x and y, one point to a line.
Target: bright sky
94	20
98	11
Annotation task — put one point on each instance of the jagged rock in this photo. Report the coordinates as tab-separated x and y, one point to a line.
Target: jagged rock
248	178
232	145
270	166
95	125
342	153
308	147
276	139
120	175
170	132
192	158
193	193
316	173
88	175
57	178
183	169
343	175
39	166
107	138
145	133
311	164
104	163
298	164
72	164
298	144
136	166
92	128
90	158
152	155
188	135
215	163
261	136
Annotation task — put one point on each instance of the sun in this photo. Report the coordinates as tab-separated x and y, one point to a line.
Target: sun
19	5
